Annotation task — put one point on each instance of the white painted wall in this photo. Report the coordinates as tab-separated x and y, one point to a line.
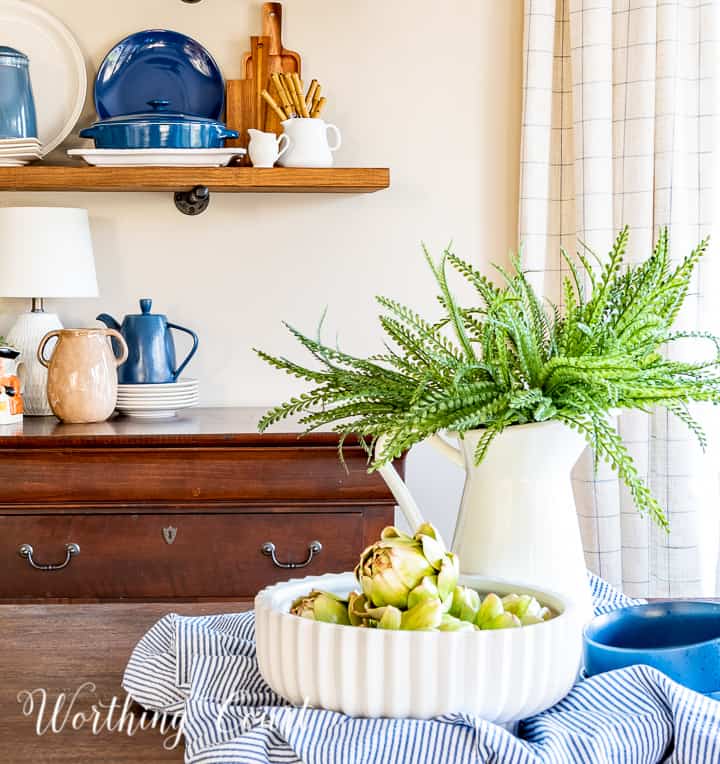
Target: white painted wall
430	89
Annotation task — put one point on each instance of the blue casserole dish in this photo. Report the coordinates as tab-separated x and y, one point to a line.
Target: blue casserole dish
158	129
681	639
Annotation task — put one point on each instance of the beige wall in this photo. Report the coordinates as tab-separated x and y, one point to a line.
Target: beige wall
430	89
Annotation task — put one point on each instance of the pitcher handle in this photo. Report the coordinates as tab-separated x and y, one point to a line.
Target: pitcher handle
452	452
123	346
194	348
338	138
399	490
282	150
44	341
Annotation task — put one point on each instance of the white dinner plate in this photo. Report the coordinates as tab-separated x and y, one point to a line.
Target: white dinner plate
157	157
157	393
160	412
162	402
13	142
182	382
57	67
18	155
12	163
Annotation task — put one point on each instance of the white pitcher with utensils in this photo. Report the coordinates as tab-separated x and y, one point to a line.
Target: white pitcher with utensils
309	144
266	148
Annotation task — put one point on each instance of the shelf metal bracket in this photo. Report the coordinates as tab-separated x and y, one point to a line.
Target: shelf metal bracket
193	202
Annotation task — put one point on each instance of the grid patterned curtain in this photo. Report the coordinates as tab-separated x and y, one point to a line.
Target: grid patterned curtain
620	127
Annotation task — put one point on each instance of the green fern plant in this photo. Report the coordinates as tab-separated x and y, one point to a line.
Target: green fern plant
513	360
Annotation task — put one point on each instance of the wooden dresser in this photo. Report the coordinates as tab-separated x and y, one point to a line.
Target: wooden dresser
200	507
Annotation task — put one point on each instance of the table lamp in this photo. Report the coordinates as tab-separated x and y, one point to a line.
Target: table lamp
44	252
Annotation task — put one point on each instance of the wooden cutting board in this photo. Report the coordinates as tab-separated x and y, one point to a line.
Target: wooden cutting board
244	106
278	59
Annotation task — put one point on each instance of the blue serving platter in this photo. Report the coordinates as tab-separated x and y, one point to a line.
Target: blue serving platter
159	64
681	639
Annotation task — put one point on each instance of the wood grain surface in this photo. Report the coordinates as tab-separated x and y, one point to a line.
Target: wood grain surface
58	648
227	179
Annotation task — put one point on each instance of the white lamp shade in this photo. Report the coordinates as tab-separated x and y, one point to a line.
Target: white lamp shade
46	252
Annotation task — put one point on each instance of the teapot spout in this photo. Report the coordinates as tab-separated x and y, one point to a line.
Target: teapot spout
109	321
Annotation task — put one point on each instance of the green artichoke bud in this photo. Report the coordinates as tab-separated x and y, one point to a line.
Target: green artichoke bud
502	621
425	590
387	617
322	606
356	609
521	605
395	565
450	623
529	620
426	615
491	608
465	603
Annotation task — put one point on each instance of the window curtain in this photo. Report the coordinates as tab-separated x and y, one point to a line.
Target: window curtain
620	127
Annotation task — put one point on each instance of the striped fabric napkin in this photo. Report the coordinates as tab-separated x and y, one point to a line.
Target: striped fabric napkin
205	669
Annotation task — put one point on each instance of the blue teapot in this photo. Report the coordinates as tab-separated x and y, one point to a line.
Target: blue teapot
151	350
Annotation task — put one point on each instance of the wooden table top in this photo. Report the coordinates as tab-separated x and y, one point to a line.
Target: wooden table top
197	427
58	648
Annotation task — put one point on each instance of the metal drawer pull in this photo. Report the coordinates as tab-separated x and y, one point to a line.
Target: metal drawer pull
268	548
26	551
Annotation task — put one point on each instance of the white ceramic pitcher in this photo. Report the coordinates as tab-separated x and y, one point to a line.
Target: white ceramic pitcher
309	144
266	148
517	517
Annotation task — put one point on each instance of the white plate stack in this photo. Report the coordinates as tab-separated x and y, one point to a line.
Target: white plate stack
16	152
160	401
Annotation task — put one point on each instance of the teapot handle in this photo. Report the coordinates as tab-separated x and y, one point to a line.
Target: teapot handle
397	486
194	348
123	346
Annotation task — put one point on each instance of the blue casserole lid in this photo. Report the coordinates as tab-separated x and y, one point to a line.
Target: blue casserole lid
160	114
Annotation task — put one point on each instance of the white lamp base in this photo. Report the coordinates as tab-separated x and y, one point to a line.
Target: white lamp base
25	336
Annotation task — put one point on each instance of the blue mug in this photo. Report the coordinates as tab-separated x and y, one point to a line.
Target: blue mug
17	106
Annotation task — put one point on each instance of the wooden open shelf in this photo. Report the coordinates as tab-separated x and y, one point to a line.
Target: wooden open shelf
216	179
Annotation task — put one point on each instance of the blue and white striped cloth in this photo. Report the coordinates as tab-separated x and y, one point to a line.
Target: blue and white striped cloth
204	668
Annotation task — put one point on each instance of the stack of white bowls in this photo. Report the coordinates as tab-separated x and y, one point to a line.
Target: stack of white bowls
16	152
159	401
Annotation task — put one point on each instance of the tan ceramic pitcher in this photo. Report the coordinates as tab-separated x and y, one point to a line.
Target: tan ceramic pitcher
82	376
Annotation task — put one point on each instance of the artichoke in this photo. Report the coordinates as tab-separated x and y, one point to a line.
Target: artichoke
450	623
465	604
491	608
322	606
397	564
502	621
410	583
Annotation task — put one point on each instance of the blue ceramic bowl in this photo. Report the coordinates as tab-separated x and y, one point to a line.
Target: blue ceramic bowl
681	639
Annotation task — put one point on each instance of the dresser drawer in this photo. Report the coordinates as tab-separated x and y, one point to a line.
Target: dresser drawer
171	555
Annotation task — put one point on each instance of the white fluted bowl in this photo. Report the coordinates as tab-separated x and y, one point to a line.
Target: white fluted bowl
501	676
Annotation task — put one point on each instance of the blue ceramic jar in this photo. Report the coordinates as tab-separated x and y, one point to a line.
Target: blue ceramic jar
17	106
